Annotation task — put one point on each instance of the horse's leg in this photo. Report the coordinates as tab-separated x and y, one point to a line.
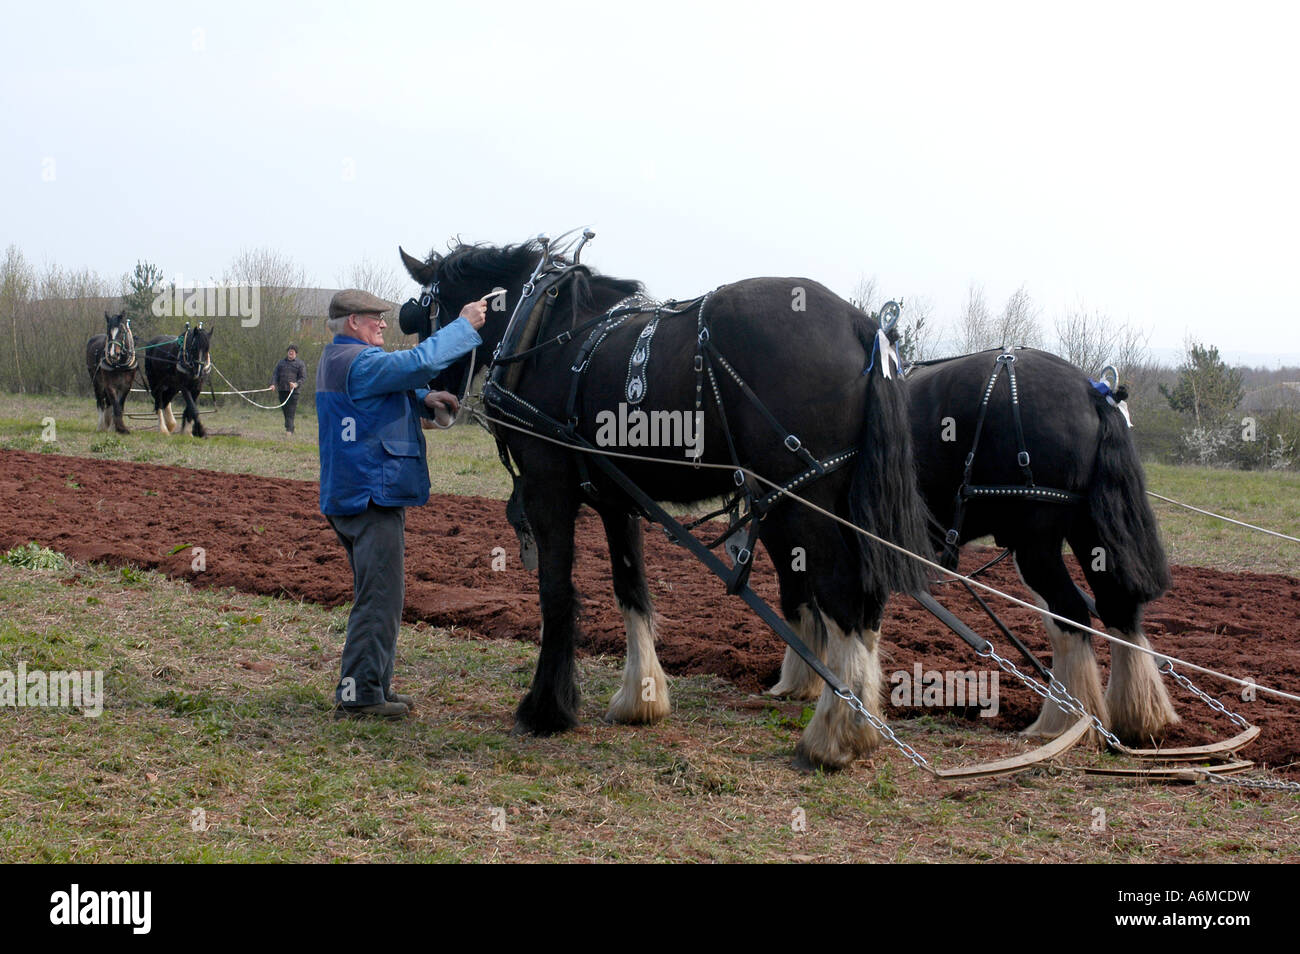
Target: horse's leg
838	734
798	681
172	426
101	404
551	704
1043	570
1136	697
163	410
119	406
643	696
192	412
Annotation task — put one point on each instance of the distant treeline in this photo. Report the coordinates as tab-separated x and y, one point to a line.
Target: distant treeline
1199	412
46	319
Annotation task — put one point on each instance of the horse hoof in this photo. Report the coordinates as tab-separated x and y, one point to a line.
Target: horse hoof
542	719
805	763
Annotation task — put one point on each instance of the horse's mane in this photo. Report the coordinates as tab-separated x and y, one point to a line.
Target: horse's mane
492	262
501	264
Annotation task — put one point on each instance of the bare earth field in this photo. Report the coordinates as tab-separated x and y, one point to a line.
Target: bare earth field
264	535
725	750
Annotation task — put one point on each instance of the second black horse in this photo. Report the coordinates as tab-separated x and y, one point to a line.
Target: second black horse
178	366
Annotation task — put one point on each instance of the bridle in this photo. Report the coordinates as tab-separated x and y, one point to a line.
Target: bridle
119	347
184	363
542	285
429	300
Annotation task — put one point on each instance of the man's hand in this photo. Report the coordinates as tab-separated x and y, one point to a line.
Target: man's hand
476	313
444	405
442	399
293	385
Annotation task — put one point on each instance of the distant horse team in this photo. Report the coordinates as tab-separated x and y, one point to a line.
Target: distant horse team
172	366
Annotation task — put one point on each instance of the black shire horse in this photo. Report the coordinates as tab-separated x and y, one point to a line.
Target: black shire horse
111	363
804	352
178	366
1077	442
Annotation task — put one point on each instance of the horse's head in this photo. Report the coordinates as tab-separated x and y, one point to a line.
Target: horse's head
196	346
466	274
118	344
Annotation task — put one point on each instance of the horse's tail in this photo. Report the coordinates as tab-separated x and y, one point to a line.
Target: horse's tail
884	498
1122	517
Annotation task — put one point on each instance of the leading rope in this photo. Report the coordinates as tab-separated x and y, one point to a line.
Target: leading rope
1219	516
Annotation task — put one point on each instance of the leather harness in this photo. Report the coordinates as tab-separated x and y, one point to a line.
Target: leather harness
745	508
968	491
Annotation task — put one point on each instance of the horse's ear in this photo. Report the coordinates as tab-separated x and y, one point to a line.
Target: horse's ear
422	272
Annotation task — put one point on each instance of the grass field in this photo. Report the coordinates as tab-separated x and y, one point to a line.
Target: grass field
244	440
216	742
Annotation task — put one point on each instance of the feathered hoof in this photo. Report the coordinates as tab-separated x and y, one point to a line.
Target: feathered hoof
806	761
1141	721
831	750
800	693
633	710
544	716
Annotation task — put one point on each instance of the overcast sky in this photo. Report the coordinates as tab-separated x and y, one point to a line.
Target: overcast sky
1140	159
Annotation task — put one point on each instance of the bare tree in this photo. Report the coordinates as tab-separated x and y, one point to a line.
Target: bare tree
250	351
1018	324
1083	338
975	330
1091	340
918	337
377	279
1131	355
864	294
69	308
17	288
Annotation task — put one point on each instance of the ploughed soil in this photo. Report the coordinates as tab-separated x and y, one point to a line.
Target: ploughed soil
266	535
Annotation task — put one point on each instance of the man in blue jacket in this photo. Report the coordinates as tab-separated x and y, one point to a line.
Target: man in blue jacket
369	403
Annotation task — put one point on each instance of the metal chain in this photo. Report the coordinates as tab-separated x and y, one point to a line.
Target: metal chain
1053	691
879	725
1209	700
1256	783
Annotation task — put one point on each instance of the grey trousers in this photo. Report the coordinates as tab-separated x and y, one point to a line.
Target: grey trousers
375	541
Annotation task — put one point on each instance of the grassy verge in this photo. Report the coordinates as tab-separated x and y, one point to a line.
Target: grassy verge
1264	498
243	440
216	744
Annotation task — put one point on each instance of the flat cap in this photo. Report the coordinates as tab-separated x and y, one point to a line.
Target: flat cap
354	301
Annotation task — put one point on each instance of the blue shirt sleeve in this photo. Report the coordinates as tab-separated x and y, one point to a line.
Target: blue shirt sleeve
376	371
